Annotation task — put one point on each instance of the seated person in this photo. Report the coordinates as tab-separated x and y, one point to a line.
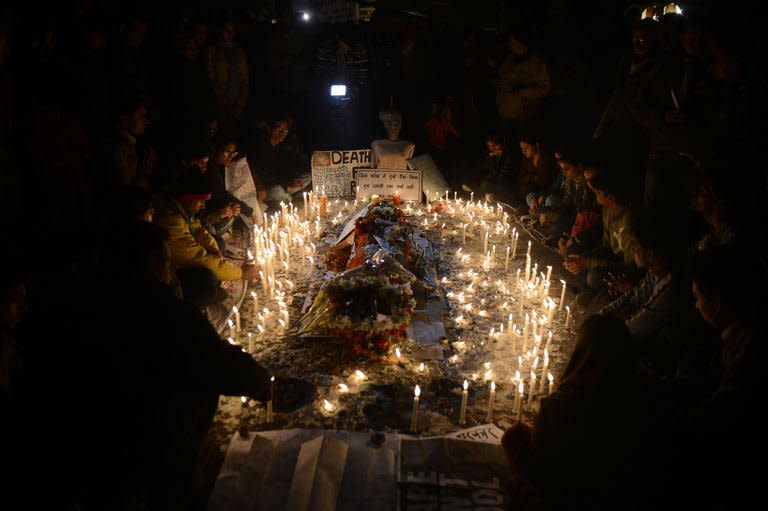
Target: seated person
713	202
391	153
579	204
195	253
272	168
225	206
614	255
653	309
725	421
593	442
441	132
499	170
538	176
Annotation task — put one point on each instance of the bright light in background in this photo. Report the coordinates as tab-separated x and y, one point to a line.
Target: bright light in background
338	90
305	16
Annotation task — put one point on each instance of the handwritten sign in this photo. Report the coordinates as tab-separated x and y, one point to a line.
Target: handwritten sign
486	433
333	171
385	182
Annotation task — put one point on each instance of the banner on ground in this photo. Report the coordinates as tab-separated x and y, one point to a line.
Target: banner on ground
443	473
333	171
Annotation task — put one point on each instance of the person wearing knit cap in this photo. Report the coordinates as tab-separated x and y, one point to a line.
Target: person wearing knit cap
191	245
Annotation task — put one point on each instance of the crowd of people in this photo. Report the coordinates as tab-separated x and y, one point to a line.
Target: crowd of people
639	169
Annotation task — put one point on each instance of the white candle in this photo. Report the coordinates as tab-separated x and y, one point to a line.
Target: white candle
567	318
463	234
551	382
231	325
544	372
250	342
270	415
506	260
531	388
520	397
514	244
415	412
255	298
549	341
491	396
549	273
463	410
562	297
527	268
237	317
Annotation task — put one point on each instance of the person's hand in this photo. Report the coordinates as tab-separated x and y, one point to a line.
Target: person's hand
250	272
575	264
295	185
534	206
562	246
675	117
235	207
225	212
617	285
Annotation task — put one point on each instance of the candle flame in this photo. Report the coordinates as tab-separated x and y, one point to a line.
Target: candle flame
493	386
397	352
234	309
253	294
521	388
243	399
421	367
466	384
231	341
327	405
272	378
417	391
550	377
517	375
343	388
360	375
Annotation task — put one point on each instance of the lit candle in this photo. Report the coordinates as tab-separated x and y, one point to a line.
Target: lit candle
543	372
551	382
327	406
463	234
520	397
567	318
396	198
506	260
489	417
255	298
270	415
231	325
237	317
250	342
527	267
306	209
514	244
531	388
323	205
415	412
463	410
562	297
422	368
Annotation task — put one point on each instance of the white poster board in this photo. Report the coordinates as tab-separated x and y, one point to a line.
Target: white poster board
385	182
333	171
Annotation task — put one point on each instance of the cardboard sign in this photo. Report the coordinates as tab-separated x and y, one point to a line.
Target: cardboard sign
486	433
385	182
432	178
333	171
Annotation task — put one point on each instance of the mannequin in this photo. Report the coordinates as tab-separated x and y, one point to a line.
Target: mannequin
391	153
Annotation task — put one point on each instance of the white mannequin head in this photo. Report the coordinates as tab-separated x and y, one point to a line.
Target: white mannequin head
393	123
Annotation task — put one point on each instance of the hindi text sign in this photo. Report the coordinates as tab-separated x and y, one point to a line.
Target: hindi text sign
385	182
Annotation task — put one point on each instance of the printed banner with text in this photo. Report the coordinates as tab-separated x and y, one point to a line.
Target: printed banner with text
333	171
